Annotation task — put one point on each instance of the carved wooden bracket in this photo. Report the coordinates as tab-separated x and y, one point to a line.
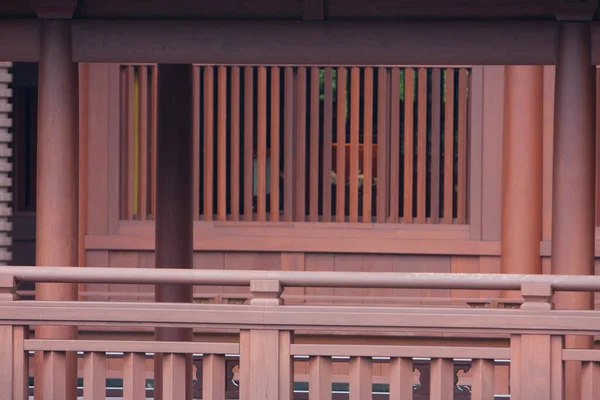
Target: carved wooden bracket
537	296
266	293
8	287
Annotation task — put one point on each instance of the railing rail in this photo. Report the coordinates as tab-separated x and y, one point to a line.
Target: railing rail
269	337
208	277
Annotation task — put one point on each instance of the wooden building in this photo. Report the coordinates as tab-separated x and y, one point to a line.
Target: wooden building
309	136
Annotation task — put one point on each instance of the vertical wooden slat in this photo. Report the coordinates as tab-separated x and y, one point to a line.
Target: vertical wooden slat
123	138
174	376
442	379
436	98
196	140
461	201
245	365
213	377
130	141
94	376
286	367
275	128
314	143
422	146
394	145
154	108
361	378
368	145
288	143
55	383
20	363
248	142
590	380
449	147
327	141
209	112
354	111
222	145
235	143
134	377
143	124
6	361
261	144
409	105
340	213
319	378
401	379
597	147
482	387
382	144
300	181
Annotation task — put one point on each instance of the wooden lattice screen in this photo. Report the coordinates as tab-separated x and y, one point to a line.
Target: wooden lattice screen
346	144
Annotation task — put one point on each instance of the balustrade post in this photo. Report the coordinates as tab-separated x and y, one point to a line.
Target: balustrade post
536	364
266	366
14	362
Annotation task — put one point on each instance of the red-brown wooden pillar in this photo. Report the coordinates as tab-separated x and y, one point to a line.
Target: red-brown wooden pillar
57	202
522	170
573	175
174	187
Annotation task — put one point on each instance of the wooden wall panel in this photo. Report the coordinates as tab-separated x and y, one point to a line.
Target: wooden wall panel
319	262
124	259
493	125
293	262
548	140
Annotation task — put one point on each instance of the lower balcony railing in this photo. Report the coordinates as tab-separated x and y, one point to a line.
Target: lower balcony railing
267	350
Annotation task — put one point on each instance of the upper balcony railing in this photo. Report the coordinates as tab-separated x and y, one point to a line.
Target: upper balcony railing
280	349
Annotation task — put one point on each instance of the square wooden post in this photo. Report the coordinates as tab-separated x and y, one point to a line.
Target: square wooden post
266	366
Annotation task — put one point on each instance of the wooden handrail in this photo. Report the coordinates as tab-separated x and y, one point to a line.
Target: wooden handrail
151	276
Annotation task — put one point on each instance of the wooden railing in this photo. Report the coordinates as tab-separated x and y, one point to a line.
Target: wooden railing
272	340
346	144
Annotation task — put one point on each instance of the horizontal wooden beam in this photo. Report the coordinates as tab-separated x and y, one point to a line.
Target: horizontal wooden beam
306	237
19	40
315	42
323	319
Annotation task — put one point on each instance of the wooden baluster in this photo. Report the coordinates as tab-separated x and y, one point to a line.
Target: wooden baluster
361	378
300	163
134	377
442	379
401	379
94	376
275	152
235	144
327	142
213	377
55	379
409	146
319	378
222	144
248	143
340	213
261	144
436	101
368	148
449	148
314	144
482	387
422	146
143	137
209	107
590	380
174	376
196	141
131	134
383	122
354	110
394	146
461	199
